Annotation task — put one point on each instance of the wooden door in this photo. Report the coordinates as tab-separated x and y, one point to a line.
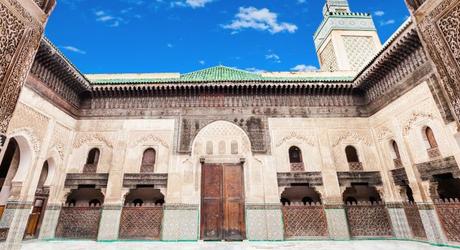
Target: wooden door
233	203
222	202
211	202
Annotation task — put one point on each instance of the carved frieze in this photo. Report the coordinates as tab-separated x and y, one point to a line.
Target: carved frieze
72	181
373	178
133	180
289	178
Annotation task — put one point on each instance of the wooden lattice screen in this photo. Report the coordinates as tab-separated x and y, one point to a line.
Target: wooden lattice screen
415	221
449	215
304	221
368	220
78	223
141	222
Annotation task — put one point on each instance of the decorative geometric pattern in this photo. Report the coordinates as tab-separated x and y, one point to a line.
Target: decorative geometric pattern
304	221
356	166
368	220
180	224
141	223
415	221
448	25
78	223
360	49
297	167
449	216
328	58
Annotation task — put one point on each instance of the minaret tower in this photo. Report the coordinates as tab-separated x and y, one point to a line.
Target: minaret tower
345	40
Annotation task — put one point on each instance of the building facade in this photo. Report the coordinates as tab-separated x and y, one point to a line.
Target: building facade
367	147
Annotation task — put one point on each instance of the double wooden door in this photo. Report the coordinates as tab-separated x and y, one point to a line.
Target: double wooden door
222	202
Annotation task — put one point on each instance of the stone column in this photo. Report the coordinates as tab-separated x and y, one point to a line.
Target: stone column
50	221
21	29
110	222
15	220
400	225
431	223
337	221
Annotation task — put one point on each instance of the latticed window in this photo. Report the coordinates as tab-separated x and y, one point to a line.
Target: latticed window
148	161
432	144
295	159
397	156
353	158
92	161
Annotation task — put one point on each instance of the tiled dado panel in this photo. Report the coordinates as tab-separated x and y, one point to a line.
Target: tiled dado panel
264	222
50	220
180	222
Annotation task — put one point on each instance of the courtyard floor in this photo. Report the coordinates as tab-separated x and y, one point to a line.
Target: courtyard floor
292	245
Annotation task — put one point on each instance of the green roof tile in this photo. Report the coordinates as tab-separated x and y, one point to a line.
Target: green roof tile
219	74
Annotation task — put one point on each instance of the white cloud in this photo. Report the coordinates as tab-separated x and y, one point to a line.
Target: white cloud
255	70
191	3
202	62
259	19
273	57
304	68
169	45
104	17
379	13
74	49
387	22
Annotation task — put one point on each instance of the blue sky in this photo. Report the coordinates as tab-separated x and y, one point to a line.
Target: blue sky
140	36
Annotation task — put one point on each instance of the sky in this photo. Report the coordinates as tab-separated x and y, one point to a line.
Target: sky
149	36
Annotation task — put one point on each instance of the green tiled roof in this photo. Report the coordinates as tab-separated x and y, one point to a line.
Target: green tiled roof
221	73
216	74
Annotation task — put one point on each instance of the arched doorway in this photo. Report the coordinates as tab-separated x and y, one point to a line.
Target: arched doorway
222	180
39	205
8	169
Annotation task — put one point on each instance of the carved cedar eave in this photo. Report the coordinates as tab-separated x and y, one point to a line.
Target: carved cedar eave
400	176
320	87
131	181
49	57
372	178
428	170
289	178
397	49
72	181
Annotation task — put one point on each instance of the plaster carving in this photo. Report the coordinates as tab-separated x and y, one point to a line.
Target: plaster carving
151	139
21	35
25	116
310	140
416	116
89	138
384	133
351	136
439	29
29	134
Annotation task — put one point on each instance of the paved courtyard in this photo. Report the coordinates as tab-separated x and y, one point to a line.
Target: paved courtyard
295	245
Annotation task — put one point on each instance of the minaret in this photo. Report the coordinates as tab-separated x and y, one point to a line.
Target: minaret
345	40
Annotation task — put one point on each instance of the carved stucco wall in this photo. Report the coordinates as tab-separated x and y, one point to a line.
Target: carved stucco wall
20	34
438	22
328	58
